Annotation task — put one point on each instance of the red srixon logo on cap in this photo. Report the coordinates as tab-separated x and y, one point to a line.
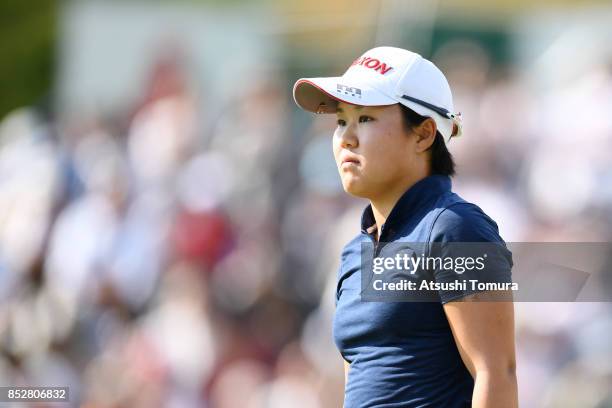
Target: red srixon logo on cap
372	63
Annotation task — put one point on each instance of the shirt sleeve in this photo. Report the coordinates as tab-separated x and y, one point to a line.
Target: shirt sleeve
340	270
473	252
338	275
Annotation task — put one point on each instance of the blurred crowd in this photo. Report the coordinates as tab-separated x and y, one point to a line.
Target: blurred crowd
182	254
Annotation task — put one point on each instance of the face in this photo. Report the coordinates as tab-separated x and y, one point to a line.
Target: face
373	149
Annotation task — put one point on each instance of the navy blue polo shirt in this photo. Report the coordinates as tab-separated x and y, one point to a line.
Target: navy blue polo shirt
403	354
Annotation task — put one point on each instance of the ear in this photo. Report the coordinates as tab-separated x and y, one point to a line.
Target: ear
426	134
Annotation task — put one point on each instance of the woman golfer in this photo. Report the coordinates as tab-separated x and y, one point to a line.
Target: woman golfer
394	117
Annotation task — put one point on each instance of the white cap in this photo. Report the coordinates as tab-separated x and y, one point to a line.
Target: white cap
385	76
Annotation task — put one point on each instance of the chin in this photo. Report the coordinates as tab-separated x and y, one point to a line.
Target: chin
354	188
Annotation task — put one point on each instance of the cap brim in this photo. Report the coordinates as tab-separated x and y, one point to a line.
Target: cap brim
321	95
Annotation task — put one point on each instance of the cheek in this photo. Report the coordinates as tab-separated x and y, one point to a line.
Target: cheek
385	151
336	147
335	142
385	163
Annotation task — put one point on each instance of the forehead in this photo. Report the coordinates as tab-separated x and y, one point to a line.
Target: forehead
343	107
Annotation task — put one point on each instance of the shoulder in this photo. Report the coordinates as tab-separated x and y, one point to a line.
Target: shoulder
464	221
353	247
350	257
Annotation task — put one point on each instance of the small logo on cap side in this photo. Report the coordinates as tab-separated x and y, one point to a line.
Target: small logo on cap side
372	63
348	90
322	108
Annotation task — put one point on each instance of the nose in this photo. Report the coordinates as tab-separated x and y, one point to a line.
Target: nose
348	137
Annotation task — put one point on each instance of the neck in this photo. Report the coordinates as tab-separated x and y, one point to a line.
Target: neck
383	205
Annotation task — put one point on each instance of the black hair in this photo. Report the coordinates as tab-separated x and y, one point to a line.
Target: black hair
441	159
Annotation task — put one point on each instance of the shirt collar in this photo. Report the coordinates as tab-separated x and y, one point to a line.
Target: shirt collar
418	194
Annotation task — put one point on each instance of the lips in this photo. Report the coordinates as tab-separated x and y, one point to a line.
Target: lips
348	158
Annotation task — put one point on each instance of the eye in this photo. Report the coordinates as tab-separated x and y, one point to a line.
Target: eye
341	122
364	118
